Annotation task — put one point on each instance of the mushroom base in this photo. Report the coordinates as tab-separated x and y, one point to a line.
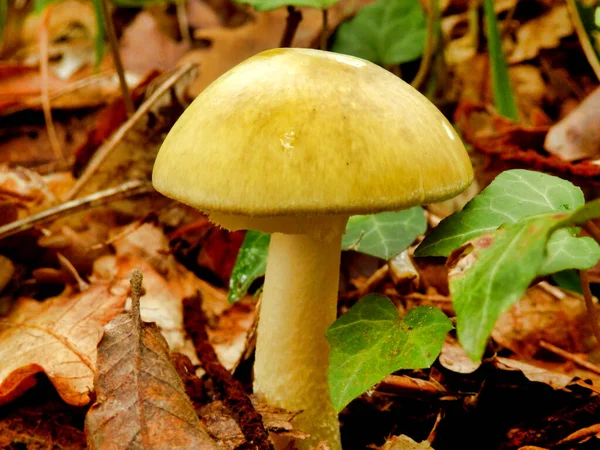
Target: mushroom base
299	302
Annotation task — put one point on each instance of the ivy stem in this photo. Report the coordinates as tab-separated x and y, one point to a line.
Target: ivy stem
431	43
292	21
114	47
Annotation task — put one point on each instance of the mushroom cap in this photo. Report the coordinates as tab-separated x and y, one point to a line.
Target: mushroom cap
292	132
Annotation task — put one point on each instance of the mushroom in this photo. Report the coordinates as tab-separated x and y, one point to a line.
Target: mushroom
292	142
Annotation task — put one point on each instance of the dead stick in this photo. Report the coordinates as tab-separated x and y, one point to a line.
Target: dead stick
109	26
233	395
128	189
292	21
112	142
570	357
589	304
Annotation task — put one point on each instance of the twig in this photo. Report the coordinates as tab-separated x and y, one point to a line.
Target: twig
325	32
112	142
292	21
589	304
45	74
125	190
570	357
182	20
430	46
233	395
434	429
592	230
114	47
136	292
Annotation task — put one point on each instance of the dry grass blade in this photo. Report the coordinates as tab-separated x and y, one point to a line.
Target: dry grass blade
141	399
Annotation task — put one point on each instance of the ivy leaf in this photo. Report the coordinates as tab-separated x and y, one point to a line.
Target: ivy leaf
250	264
494	276
388	32
386	234
267	5
371	341
512	196
565	251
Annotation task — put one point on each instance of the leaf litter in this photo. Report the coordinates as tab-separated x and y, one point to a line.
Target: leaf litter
457	400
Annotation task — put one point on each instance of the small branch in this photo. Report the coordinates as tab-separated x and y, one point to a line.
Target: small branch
430	46
232	392
128	189
114	47
111	143
325	31
45	74
292	21
136	292
570	357
592	230
589	304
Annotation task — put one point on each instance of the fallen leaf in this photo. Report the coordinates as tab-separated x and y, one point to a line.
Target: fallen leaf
403	442
533	373
222	426
577	135
57	337
454	358
141	399
542	32
540	315
230	46
143	40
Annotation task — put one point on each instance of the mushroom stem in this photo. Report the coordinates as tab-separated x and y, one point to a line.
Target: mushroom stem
299	302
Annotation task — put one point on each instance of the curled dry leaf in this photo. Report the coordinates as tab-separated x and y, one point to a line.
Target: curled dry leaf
141	399
541	315
577	135
57	337
454	358
403	442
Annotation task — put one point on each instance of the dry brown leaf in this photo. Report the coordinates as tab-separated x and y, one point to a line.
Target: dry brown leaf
454	358
543	32
57	337
231	46
143	40
534	373
403	442
558	318
223	427
141	399
577	136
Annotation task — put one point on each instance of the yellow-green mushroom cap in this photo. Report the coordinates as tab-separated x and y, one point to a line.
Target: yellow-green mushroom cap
293	132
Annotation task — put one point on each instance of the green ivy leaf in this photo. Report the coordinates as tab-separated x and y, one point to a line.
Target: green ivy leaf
251	264
267	5
512	196
371	341
569	280
388	32
499	270
386	234
565	251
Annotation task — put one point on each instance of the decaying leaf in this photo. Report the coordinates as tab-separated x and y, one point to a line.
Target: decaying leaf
222	426
57	337
454	358
541	315
141	399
